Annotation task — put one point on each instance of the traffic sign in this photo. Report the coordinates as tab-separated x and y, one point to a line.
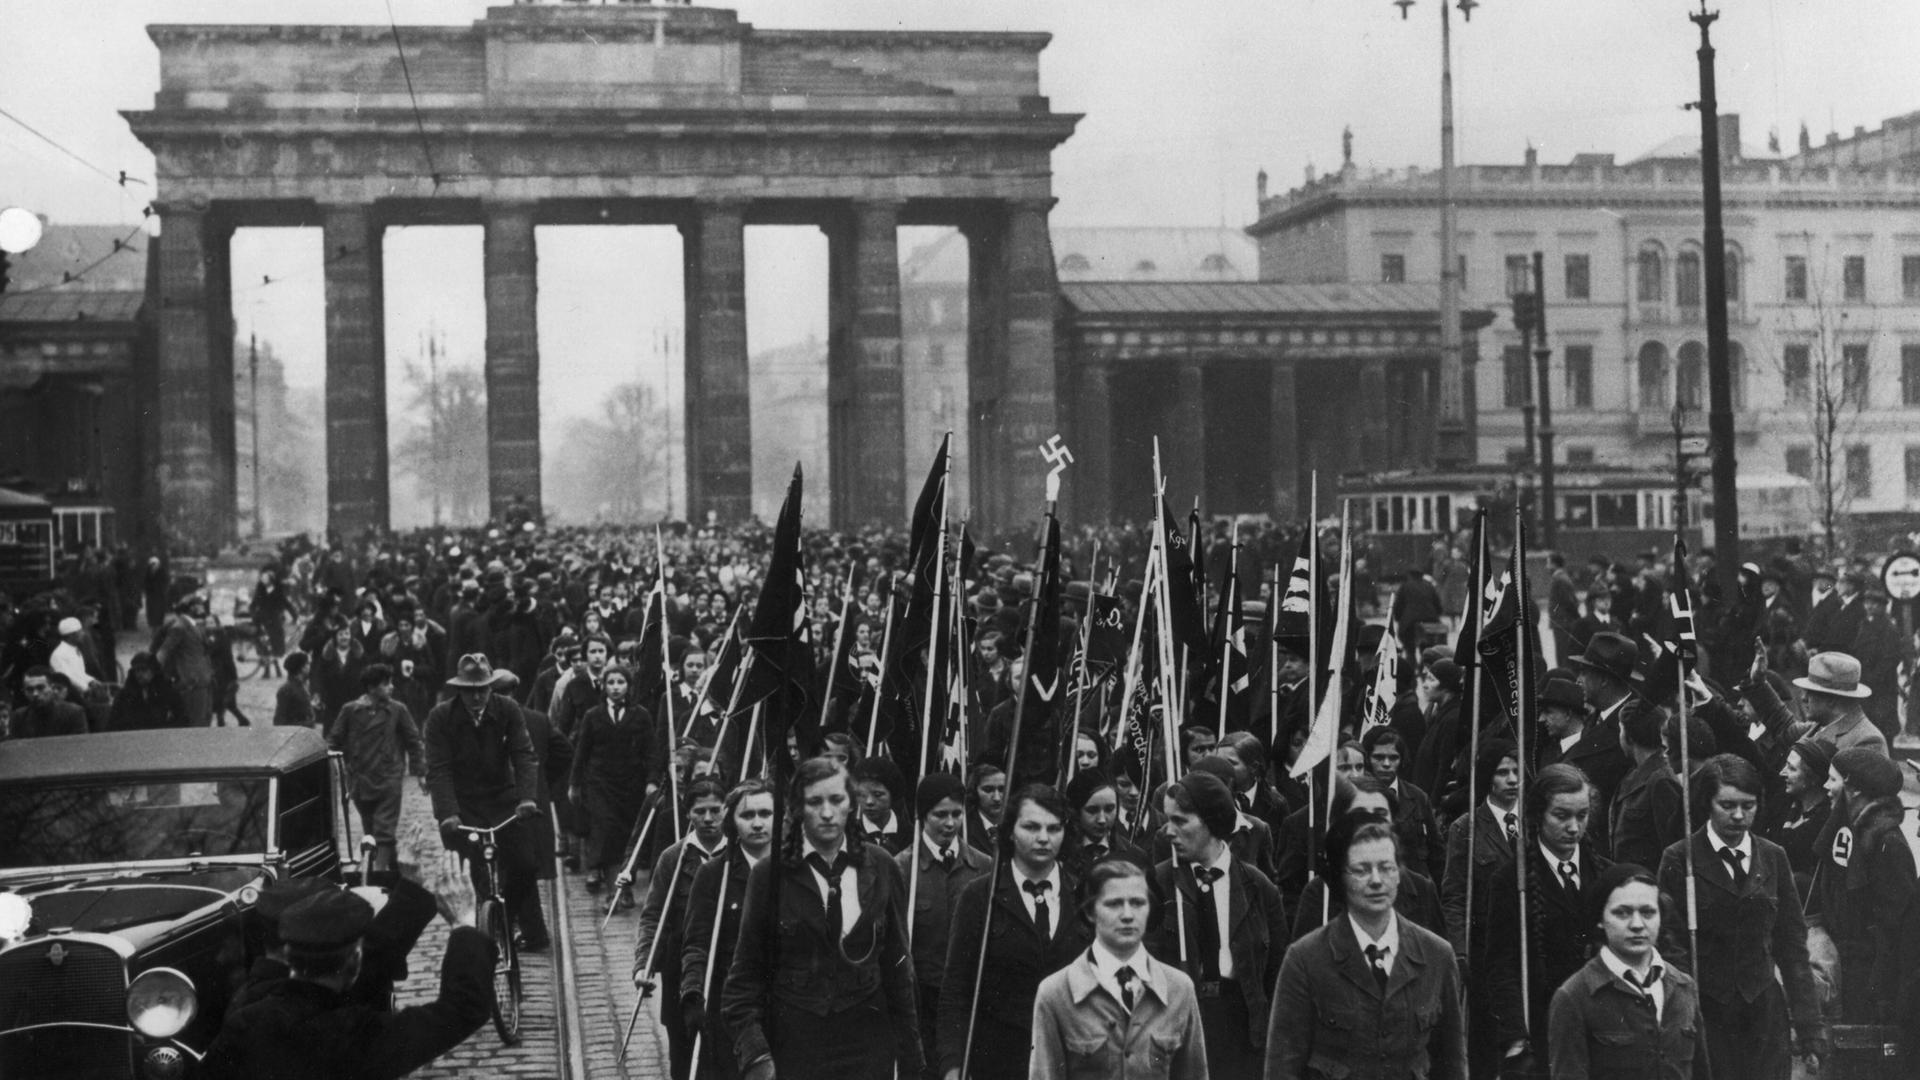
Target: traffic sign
1693	444
1901	576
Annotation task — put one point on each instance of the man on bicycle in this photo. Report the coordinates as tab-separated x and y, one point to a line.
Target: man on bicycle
482	770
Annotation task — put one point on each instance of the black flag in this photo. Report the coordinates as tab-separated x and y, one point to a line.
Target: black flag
782	673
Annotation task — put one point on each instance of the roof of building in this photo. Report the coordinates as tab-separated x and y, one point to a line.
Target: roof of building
1248	297
168	752
1111	253
68	305
1687	148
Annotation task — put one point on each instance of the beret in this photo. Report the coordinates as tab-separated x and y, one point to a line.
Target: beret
276	898
1869	772
69	625
325	921
935	787
1446	673
1816	756
1084	785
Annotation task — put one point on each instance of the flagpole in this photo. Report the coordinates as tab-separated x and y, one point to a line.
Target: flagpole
753	732
1274	602
666	676
839	637
1226	627
1072	740
886	658
1333	685
1316	831
713	948
1523	674
706	679
1681	602
934	628
1477	618
733	703
1169	686
653	947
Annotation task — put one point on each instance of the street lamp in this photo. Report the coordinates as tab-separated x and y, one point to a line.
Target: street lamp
1454	447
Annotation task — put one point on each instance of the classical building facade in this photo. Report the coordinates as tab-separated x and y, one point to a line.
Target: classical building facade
616	114
1823	271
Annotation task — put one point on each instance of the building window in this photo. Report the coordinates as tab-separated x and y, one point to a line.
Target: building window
1460	271
1853	277
1686	279
1616	510
1910	277
1518	391
1733	275
1800	461
1579	381
1796	277
1859	472
936	353
1580	455
1737	373
1516	456
1393	269
1913	474
1854	389
1796	370
1519	275
1653	375
1653	276
1579	278
1690	383
1910	375
936	310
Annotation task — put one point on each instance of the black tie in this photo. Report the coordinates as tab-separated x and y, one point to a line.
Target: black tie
1734	858
1125	975
1645	986
1042	916
946	859
1204	877
1569	877
1513	827
1096	852
1378	956
832	873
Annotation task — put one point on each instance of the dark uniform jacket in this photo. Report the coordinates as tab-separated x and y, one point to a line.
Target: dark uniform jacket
1490	851
1016	961
1422	848
58	718
1561	934
1745	932
480	770
707	905
1603	1031
303	1030
390	938
380	743
813	969
1864	893
1647	813
1257	936
1331	1018
934	898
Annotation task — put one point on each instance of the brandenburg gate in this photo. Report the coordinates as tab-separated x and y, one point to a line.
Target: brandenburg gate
606	114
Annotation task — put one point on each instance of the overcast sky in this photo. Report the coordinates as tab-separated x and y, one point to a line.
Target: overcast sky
1183	102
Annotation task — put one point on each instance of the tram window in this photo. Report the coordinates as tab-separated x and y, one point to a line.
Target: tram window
1576	511
1616	510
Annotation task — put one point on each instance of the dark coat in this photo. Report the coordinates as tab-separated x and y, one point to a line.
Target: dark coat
556	764
1598	755
57	718
707	904
1601	1031
336	680
293	705
1867	905
1433	760
1744	932
935	896
1796	834
1330	1017
1017	959
1416	601
1832	624
1648	813
813	970
390	938
303	1030
157	705
1422	848
1490	851
1561	937
1257	936
480	772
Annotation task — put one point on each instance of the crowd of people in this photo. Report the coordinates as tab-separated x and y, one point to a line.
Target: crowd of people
1701	871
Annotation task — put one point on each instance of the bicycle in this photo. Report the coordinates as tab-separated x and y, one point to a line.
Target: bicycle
490	915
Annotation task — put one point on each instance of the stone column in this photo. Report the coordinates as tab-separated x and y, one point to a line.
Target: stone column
1183	438
1092	442
1375	437
186	477
879	454
356	370
510	265
218	250
719	427
1028	402
986	361
1284	446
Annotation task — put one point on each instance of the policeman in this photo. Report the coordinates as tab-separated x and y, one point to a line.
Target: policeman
309	1026
395	929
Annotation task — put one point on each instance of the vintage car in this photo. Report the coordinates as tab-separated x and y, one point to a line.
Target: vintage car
127	864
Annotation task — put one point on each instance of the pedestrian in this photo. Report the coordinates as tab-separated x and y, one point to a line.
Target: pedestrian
389	940
1835	700
226	674
268	611
380	745
1627	1015
936	869
1647	813
147	701
1094	803
1422	846
1485	840
482	771
1035	932
556	765
1794	820
986	801
1417	899
335	673
707	951
1370	995
1221	921
822	981
1116	1011
1438	685
1864	890
878	786
293	702
311	1027
614	772
181	647
659	947
1750	926
1605	673
47	712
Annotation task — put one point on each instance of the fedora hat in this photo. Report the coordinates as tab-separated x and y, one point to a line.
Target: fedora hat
1562	693
1833	673
473	672
1610	654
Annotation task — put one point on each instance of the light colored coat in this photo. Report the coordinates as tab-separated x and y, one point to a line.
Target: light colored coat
1082	1032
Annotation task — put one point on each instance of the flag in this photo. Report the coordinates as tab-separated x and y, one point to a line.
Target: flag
1226	660
1509	646
924	560
844	684
1183	604
1680	603
1480	582
782	672
1386	684
1106	634
649	677
1291	623
1326	722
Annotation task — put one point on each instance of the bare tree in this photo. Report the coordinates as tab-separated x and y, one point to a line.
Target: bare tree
614	467
443	443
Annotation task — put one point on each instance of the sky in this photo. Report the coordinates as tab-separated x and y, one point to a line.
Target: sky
1183	103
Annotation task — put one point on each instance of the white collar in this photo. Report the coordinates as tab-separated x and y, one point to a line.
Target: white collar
807	848
953	846
1389	940
1222	862
709	852
1020	878
1620	968
1107	966
1744	847
1500	815
1555	860
752	859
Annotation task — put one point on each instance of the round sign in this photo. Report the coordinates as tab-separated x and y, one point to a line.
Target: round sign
1901	576
20	229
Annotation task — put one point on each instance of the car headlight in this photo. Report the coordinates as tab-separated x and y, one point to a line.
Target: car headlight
161	1003
16	915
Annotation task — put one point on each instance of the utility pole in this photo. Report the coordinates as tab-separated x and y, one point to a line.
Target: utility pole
1726	494
253	379
433	424
1542	357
